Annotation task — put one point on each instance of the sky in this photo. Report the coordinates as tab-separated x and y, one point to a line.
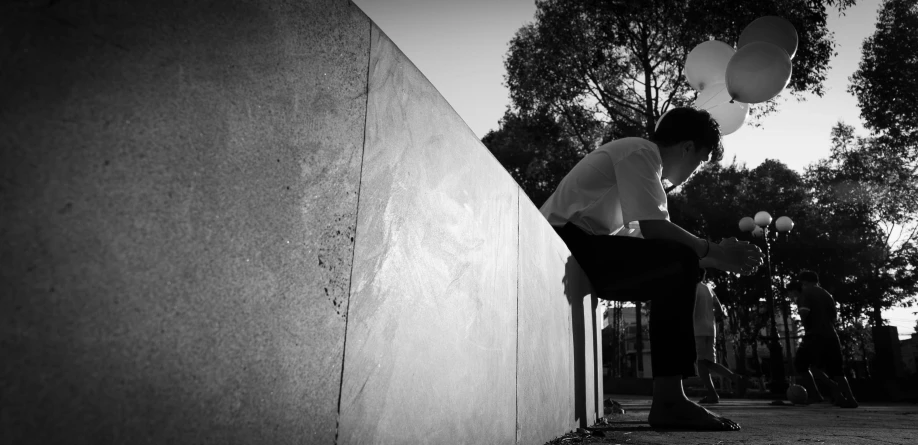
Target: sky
460	47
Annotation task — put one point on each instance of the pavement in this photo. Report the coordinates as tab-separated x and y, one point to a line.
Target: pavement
762	423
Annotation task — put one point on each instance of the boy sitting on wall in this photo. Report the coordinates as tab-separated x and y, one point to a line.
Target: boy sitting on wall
611	211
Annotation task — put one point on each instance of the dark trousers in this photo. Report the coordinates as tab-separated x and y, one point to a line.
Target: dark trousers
634	269
822	351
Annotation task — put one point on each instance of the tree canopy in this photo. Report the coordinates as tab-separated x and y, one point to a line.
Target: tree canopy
588	71
869	197
535	152
617	66
886	82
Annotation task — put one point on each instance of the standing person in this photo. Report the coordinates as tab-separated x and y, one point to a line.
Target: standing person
706	307
611	211
821	346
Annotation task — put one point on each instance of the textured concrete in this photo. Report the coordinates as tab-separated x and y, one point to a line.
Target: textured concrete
586	320
180	202
431	336
179	186
559	373
545	372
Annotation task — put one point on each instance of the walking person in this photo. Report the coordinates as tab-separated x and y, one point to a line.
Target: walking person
820	346
611	211
707	308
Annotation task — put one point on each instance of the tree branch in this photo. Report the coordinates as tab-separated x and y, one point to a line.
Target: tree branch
609	97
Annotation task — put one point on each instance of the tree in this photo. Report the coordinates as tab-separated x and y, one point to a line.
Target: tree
588	71
868	200
620	63
534	151
839	208
886	82
711	205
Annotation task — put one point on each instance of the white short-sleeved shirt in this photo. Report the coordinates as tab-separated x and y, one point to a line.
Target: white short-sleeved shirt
611	189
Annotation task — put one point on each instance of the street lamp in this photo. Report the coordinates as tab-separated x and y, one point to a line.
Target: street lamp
758	226
784	225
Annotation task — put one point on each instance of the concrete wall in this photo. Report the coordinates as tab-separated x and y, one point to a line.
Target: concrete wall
179	200
257	222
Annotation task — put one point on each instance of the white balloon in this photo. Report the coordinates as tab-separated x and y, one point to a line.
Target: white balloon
707	63
716	100
772	29
758	72
712	95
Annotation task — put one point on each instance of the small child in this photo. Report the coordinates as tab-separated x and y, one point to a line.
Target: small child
706	307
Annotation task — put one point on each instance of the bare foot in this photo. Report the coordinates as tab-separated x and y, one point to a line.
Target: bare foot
686	414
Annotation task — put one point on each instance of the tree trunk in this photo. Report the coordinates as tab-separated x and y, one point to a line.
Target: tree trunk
877	315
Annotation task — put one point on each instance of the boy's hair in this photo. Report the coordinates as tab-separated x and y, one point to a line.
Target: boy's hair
688	124
794	286
702	274
808	276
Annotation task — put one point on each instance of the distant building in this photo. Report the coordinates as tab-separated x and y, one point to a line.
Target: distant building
628	356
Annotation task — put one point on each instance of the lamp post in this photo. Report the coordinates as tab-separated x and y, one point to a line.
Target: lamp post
758	226
784	225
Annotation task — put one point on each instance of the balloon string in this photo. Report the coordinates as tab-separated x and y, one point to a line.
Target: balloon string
704	105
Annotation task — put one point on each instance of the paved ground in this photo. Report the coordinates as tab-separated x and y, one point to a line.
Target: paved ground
872	423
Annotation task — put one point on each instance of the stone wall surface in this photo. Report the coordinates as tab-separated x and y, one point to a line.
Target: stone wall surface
432	324
545	331
179	196
257	222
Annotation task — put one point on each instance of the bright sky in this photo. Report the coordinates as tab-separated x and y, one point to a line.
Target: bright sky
460	47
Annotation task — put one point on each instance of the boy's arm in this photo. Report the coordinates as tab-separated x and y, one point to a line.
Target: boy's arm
643	199
663	229
729	255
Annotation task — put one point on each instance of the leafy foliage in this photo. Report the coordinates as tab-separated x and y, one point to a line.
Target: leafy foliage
845	208
589	71
868	197
886	82
535	152
620	63
711	205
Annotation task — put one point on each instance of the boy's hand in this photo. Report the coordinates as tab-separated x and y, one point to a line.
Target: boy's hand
737	256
